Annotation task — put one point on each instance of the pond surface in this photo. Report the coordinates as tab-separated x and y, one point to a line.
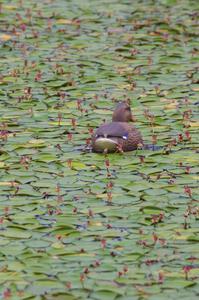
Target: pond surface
80	225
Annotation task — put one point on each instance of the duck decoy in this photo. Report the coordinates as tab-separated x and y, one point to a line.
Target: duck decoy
119	135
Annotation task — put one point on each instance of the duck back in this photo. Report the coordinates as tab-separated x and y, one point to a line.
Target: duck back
116	135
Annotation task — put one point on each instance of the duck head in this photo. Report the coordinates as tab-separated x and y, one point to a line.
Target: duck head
122	113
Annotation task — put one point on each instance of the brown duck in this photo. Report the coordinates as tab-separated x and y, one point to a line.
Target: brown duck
118	135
